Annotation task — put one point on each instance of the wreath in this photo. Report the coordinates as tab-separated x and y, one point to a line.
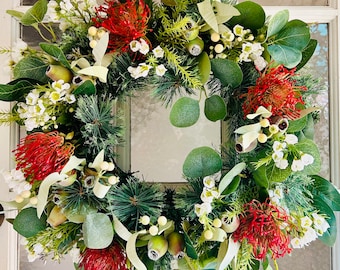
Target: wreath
245	204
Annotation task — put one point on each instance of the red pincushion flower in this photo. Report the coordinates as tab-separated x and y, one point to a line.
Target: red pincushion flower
111	258
275	90
261	226
126	22
40	154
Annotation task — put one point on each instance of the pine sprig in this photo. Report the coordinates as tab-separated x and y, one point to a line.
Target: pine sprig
134	199
99	130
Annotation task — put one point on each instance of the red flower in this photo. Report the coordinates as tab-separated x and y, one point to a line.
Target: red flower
275	90
40	154
111	258
261	226
126	22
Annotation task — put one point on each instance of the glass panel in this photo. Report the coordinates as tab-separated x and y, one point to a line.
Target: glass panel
291	2
158	149
317	256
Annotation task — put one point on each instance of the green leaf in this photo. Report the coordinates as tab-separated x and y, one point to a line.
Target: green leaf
329	237
189	247
260	177
297	125
27	222
295	34
16	90
86	88
56	52
309	147
277	22
227	71
228	178
207	12
98	231
252	15
185	112
215	108
35	14
15	14
232	186
275	174
201	162
288	56
327	192
224	12
31	67
307	53
204	66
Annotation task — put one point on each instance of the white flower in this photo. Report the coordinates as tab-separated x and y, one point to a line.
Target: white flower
15	179
291	139
31	123
141	71
17	51
260	63
70	98
209	194
320	223
279	146
144	47
75	254
296	243
282	164
160	70
158	52
306	222
32	98
297	165
277	156
135	45
307	159
309	236
202	209
238	30
209	182
51	14
60	86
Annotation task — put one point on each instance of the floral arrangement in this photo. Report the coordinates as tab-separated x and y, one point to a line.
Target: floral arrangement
254	200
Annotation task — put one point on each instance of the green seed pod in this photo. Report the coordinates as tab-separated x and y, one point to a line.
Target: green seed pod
195	46
56	73
157	247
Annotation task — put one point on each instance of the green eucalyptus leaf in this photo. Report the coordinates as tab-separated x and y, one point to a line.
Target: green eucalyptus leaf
328	237
35	14
201	162
297	125
86	88
327	192
185	112
56	52
277	22
307	53
215	108
252	15
287	56
27	223
98	231
309	147
16	90
227	71
31	67
275	174
295	34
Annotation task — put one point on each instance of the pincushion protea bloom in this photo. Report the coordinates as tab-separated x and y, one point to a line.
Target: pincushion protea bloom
111	258
126	22
261	225
40	154
275	89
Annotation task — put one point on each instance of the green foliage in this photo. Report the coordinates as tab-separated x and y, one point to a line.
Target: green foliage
31	67
134	199
185	112
98	231
215	108
16	90
201	162
56	52
27	222
99	128
227	71
33	15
